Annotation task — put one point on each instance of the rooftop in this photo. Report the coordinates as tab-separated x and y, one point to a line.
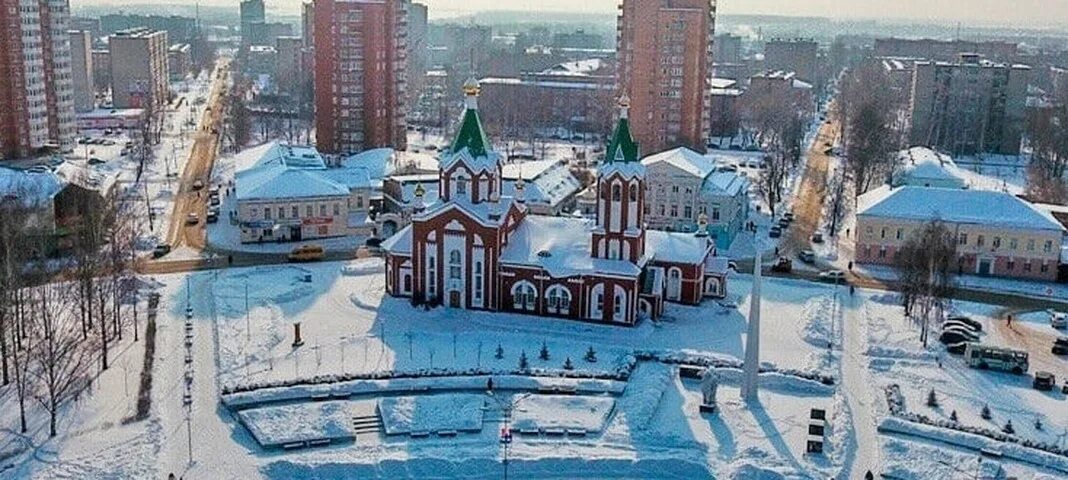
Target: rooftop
560	246
974	207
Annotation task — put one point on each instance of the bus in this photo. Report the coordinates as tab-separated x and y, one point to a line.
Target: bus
996	358
307	253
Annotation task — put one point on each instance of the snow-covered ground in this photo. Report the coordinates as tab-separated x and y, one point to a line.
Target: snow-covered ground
650	424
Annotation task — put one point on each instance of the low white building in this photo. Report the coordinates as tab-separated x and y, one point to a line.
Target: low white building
924	167
550	188
683	185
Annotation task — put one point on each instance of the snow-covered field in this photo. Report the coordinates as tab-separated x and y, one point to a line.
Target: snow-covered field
650	424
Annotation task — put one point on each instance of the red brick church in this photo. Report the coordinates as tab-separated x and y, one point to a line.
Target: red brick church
476	249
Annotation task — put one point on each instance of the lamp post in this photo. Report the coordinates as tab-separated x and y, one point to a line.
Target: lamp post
506	407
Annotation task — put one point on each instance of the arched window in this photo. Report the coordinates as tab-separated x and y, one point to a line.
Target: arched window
524	295
619	307
558	299
461	185
454	265
633	193
617	192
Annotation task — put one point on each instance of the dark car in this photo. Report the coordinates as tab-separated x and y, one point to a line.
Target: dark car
949	324
957	335
775	232
161	250
783	265
373	242
1044	381
1060	346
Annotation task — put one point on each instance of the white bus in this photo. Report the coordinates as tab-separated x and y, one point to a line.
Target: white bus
996	358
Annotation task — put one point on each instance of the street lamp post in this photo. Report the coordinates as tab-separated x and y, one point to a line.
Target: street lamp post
506	407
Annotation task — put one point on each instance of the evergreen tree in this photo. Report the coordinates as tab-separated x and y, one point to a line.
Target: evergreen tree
544	355
1008	428
985	414
500	352
932	400
591	355
568	365
523	363
953	416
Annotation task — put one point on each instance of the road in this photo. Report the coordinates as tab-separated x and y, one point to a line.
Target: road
808	206
201	160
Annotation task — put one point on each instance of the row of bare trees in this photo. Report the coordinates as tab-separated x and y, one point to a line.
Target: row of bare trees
59	316
777	118
872	122
925	265
1048	137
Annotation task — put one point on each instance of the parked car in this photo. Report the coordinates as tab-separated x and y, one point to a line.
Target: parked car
789	216
783	265
1044	381
161	250
307	253
1058	319
833	275
948	324
373	242
807	256
1060	346
783	222
198	184
817	237
192	219
775	232
957	334
213	216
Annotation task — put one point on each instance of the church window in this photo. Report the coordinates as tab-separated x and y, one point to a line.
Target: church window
454	264
617	192
634	193
461	185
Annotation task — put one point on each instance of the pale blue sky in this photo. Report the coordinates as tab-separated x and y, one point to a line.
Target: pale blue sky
1025	13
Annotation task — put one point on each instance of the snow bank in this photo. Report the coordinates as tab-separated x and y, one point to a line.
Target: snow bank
345	389
817	317
642	396
974	441
723	361
431	413
284	424
540	412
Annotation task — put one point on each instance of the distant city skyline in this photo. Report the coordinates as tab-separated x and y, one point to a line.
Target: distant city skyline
1023	13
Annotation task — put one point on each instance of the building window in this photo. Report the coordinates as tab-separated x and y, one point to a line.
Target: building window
523	296
295	212
337	209
689	191
617	192
454	264
1044	268
674	210
687	212
309	211
882	252
432	281
646	209
963	238
634	193
1010	265
674	189
715	214
660	208
1031	245
478	281
997	242
1012	244
1027	266
267	213
324	230
461	185
253	212
1048	246
281	213
559	299
359	202
899	233
882	234
980	241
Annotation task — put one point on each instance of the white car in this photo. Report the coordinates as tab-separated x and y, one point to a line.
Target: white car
833	275
1058	319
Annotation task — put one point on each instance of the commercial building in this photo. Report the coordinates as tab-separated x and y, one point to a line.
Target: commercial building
664	50
480	249
261	60
686	190
969	106
139	71
574	96
798	55
81	70
997	233
37	92
360	91
179	61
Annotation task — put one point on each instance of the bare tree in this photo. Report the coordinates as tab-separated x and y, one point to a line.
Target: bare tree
924	266
1048	136
776	118
871	135
60	357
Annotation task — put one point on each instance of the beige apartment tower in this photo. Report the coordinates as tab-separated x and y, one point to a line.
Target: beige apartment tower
139	71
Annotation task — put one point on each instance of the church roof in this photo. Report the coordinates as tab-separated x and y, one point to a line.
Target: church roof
622	148
471	135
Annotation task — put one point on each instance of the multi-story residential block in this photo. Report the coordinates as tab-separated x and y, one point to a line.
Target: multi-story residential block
727	48
139	71
261	60
418	53
179	61
37	91
264	33
291	75
944	50
360	56
686	189
780	85
101	70
572	95
970	106
252	12
81	70
664	50
178	28
798	55
997	233
725	119
307	23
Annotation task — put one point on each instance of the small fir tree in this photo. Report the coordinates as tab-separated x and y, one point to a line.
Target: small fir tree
1038	423
500	352
932	399
591	355
953	416
1008	428
544	354
568	365
985	413
523	363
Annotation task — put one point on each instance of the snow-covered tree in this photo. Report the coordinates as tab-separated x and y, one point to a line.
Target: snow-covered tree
985	413
61	358
568	365
523	363
1008	428
953	416
932	399
544	354
591	355
500	352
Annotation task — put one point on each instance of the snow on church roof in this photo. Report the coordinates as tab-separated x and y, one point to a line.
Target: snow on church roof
978	207
547	181
560	246
676	247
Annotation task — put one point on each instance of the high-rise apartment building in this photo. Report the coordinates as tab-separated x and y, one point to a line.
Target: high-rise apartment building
252	12
307	23
969	106
290	65
664	50
417	50
81	70
360	56
36	94
139	70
